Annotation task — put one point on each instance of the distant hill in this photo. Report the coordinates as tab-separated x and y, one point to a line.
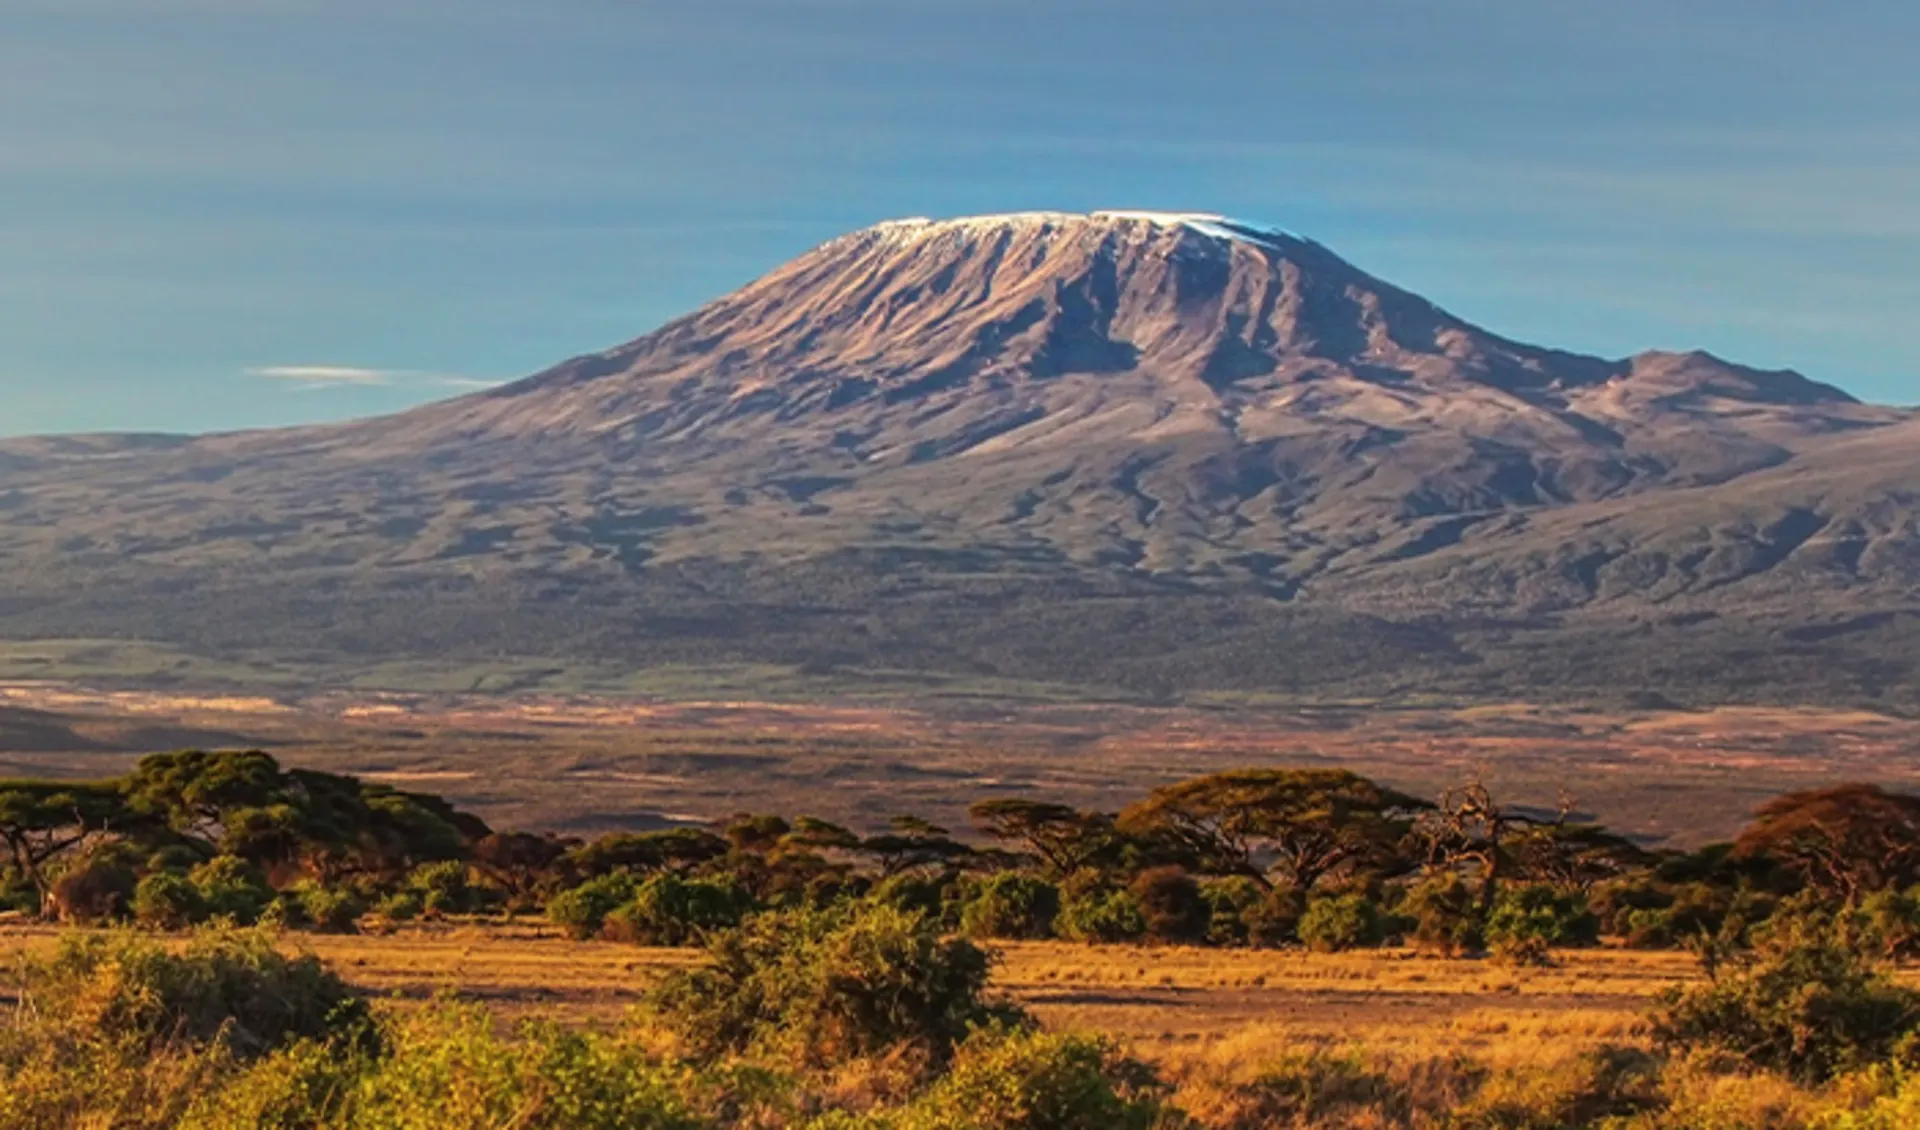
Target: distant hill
1142	454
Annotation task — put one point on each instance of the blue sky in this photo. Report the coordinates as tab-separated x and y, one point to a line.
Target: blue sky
227	213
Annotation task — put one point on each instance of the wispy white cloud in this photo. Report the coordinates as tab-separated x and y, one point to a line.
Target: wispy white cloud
328	375
352	376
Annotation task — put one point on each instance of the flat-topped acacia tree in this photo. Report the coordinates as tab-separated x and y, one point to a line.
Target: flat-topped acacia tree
243	803
41	820
1278	827
1062	838
1843	841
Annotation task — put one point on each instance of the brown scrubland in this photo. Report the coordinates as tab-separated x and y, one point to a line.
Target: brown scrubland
598	764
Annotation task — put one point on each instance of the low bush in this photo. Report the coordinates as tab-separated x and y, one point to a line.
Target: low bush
444	888
228	987
1342	922
1443	916
1231	903
306	1086
1896	1108
1616	903
1807	1002
937	896
1102	917
1171	902
1017	1079
815	988
167	900
1528	923
668	910
1697	915
582	911
1011	905
450	1069
17	892
324	909
95	890
232	888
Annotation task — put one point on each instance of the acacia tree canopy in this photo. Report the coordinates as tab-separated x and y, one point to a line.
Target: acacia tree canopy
674	848
1062	837
914	842
39	820
1297	826
194	790
244	804
1842	840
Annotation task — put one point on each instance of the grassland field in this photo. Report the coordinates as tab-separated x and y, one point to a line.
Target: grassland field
1167	1003
1205	1018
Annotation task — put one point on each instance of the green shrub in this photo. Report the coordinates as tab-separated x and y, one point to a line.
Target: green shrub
1697	914
400	906
228	987
1890	921
230	887
306	1086
1014	1079
326	910
449	1069
1444	916
1172	905
1616	904
1012	905
1651	928
582	911
167	900
1527	923
444	888
1897	1108
1102	917
1231	903
825	987
937	896
668	910
1807	1002
1342	922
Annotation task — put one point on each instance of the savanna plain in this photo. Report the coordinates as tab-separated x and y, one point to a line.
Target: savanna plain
450	911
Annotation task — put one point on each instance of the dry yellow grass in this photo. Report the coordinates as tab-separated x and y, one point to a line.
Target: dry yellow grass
1170	1004
1174	1002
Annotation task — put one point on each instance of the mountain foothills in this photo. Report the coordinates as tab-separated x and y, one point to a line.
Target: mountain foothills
1146	454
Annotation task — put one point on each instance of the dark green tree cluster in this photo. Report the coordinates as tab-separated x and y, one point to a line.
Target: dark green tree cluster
1316	857
193	836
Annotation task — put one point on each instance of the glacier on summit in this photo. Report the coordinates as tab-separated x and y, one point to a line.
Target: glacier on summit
1210	224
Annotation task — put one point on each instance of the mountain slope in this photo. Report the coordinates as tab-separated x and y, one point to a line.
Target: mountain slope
1207	445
